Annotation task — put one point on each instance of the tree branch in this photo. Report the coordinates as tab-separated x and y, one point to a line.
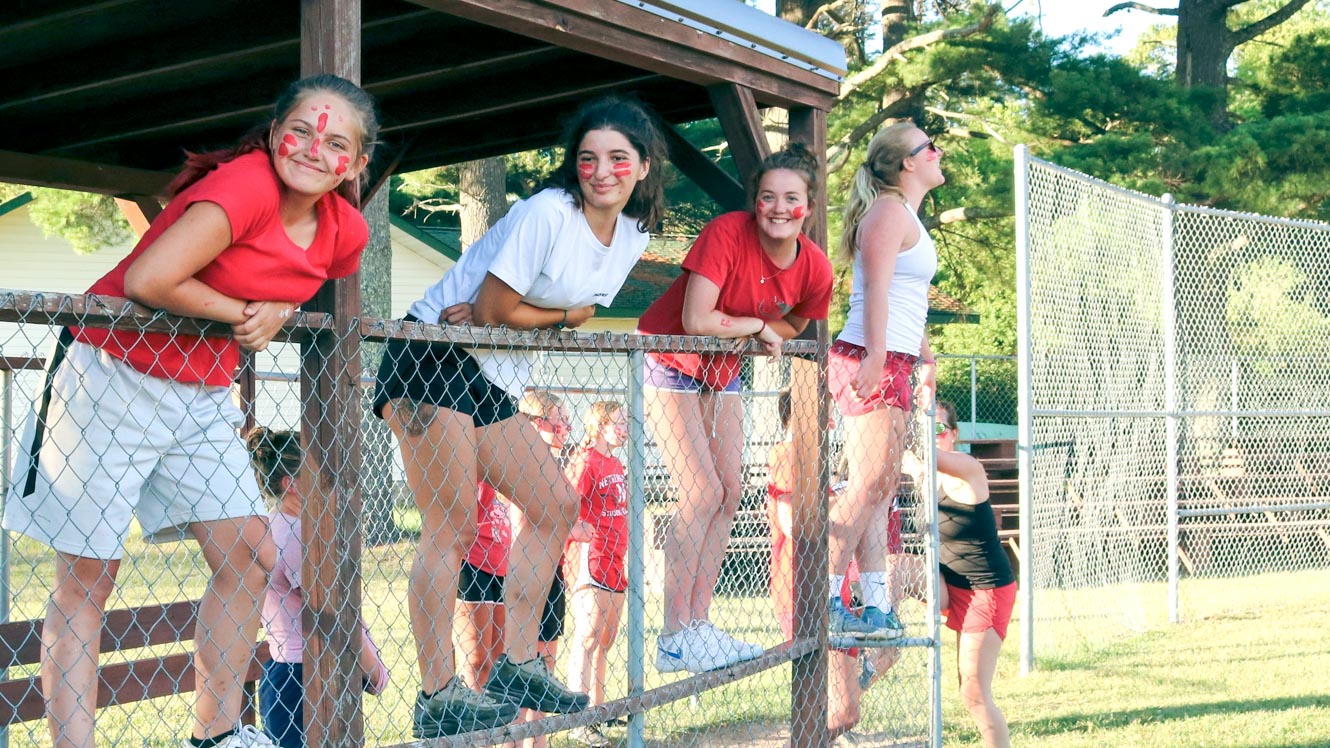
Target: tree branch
1256	28
956	215
1141	7
826	8
898	106
897	52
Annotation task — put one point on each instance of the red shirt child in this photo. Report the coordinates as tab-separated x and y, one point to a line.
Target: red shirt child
599	479
494	533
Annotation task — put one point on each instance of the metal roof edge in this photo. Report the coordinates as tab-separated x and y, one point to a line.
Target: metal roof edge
741	24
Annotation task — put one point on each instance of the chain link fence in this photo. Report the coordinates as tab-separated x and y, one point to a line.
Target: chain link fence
1175	440
355	528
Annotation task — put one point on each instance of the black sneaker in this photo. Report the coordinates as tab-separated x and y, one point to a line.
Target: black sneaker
457	709
531	685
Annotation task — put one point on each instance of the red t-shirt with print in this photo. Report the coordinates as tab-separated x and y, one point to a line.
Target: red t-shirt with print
599	479
261	264
729	254
494	533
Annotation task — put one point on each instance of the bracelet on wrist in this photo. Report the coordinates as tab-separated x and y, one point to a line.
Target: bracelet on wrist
930	361
562	322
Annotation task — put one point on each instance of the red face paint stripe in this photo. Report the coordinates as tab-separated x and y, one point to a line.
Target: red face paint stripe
623	170
799	211
586	171
323	122
288	142
343	163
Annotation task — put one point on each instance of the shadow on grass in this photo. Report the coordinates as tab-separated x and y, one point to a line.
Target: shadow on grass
1074	723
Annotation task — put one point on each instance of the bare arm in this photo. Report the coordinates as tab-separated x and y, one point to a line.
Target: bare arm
163	278
964	477
498	304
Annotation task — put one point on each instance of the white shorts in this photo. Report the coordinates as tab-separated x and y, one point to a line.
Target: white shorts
120	443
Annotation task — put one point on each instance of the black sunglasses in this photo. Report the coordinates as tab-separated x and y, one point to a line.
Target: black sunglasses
929	145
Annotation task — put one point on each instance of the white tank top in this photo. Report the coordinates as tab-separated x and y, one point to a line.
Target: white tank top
907	298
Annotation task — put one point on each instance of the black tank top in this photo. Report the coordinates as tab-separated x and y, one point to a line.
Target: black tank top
971	555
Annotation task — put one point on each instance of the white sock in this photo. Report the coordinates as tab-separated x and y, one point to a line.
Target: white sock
876	591
837	581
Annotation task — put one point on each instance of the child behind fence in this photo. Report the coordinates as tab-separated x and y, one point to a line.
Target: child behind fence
276	457
596	550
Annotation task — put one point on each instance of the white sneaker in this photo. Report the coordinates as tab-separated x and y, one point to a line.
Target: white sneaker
248	736
687	650
733	650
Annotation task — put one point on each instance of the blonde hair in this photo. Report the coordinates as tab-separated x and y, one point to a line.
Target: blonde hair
598	416
538	403
878	175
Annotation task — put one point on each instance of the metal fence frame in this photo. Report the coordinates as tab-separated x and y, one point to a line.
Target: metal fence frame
333	574
1175	407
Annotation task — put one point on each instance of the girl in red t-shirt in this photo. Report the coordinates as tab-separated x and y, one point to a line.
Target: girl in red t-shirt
751	274
596	549
142	424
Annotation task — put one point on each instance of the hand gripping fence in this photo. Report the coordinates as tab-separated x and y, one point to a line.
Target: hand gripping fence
358	532
1175	442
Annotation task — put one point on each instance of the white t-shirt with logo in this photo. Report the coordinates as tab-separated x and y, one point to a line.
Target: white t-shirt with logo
544	250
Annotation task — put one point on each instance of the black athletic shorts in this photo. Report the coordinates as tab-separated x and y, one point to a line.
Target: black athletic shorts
439	374
475	585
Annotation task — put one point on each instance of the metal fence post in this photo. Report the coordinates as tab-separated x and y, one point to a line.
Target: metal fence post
933	580
636	543
6	438
1170	325
1025	394
974	397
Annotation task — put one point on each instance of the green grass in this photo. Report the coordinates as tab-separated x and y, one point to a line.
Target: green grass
1248	668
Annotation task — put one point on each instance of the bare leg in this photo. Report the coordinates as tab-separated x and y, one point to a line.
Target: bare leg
977	660
725	414
438	452
517	463
843	692
684	441
873	448
228	618
477	641
71	643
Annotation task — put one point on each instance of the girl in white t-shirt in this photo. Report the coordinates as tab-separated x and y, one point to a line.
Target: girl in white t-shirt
546	264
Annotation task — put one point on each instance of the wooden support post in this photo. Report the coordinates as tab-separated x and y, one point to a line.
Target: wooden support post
737	111
809	412
695	165
329	386
140	211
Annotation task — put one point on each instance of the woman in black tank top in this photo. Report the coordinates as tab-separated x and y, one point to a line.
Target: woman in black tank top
979	586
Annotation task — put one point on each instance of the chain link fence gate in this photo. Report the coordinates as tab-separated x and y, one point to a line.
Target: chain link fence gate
1174	380
365	524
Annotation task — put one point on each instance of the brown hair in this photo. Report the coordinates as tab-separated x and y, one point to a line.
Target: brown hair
275	456
199	164
795	157
630	119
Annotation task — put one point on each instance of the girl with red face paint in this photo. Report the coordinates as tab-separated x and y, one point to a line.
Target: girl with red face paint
870	364
142	424
543	265
750	274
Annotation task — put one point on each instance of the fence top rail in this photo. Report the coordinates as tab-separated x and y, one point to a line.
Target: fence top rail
1062	413
1159	202
93	310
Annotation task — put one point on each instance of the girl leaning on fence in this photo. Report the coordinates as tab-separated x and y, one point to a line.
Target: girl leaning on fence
142	424
543	265
870	364
276	457
751	274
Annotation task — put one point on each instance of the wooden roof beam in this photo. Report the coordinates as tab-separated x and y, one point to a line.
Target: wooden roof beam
72	174
632	36
737	111
695	165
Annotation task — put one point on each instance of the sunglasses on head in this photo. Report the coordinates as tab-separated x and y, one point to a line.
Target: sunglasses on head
927	145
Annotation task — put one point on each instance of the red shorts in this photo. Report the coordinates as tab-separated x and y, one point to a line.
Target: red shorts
893	388
976	611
